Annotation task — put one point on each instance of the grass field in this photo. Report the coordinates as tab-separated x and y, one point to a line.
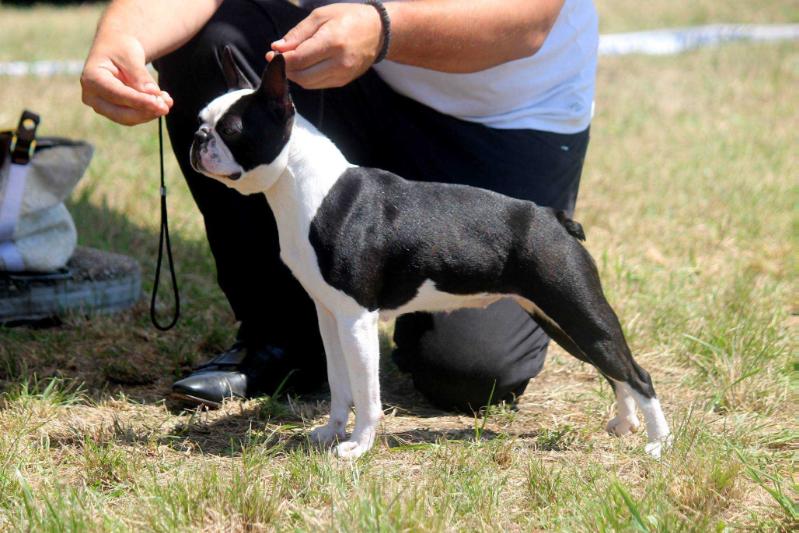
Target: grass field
690	200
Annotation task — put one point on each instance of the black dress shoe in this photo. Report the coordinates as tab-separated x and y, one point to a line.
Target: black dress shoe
242	371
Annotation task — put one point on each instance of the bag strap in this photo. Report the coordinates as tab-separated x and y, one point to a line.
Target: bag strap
21	148
24	142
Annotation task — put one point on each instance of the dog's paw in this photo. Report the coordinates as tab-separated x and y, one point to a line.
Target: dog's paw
623	425
351	449
327	434
656	448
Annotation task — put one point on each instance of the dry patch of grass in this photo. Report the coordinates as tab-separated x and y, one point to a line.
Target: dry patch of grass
689	200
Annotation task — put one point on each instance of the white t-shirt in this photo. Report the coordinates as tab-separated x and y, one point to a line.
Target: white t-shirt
552	90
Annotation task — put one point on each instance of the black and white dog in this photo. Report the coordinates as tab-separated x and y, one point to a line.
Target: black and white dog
367	244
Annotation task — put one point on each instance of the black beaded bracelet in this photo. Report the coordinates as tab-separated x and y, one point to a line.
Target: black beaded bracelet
385	22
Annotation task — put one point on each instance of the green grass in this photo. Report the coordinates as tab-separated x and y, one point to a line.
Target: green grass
689	199
43	32
629	15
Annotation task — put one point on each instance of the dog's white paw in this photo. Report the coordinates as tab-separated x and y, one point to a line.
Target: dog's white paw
351	449
327	434
623	425
656	448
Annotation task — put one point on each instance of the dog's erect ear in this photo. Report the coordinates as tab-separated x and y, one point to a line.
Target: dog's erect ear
235	78
274	84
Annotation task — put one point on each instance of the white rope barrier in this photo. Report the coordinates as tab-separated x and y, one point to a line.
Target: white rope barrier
43	69
676	40
655	42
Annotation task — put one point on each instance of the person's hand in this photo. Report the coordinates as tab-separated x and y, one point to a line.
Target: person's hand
116	84
332	46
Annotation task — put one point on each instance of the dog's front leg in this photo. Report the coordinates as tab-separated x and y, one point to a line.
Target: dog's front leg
337	376
359	341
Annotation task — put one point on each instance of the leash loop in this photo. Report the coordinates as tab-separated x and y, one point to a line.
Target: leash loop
163	238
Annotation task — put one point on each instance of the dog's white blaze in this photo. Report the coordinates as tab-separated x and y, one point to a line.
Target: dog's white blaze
217	108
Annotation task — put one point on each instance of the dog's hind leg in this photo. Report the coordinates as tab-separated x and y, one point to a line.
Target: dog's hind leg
625	420
602	344
568	302
358	335
340	393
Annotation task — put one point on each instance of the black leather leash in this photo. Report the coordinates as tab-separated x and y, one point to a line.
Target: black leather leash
164	238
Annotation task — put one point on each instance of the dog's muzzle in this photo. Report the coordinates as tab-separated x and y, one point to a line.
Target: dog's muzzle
200	145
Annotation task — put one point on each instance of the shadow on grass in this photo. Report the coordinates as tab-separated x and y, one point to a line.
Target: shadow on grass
231	435
284	425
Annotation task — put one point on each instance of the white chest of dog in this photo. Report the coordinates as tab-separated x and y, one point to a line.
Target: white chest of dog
366	244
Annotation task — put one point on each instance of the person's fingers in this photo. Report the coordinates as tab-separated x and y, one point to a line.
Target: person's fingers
102	83
308	53
120	114
167	98
133	73
116	83
299	33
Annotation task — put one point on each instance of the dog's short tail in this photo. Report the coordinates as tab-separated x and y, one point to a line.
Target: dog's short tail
574	228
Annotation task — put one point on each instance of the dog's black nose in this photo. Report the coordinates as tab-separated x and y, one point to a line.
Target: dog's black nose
201	134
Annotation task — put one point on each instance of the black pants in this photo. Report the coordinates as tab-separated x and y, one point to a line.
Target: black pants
456	359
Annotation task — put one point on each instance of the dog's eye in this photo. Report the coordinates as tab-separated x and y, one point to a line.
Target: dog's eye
229	127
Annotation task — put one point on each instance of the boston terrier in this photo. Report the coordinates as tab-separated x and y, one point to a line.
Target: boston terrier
368	245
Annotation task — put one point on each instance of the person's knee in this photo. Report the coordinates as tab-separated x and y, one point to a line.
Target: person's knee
472	357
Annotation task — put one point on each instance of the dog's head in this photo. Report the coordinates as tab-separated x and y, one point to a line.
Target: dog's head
243	136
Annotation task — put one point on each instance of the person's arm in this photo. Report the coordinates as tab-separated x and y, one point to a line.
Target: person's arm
115	81
337	43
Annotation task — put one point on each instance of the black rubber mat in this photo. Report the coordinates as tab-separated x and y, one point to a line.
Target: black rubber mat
93	282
